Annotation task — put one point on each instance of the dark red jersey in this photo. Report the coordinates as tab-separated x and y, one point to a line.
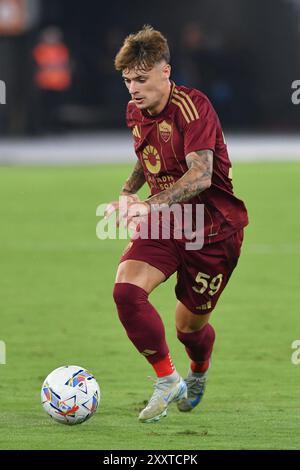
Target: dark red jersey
188	123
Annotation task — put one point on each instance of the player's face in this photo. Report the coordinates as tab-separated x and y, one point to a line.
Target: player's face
149	88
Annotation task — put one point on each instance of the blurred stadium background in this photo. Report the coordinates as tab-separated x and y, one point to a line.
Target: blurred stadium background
64	149
243	55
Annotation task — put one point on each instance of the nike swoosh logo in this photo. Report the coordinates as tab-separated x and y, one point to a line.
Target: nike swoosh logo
167	397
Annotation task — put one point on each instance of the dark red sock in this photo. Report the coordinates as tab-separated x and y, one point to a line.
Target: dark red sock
143	326
199	367
199	346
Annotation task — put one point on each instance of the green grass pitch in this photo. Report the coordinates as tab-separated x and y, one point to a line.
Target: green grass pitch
56	308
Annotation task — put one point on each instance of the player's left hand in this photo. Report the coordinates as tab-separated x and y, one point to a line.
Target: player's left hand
120	205
135	214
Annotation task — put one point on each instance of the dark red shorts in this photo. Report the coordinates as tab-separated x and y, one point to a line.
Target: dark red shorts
201	274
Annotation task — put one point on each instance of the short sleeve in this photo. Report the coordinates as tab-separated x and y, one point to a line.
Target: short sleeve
130	110
200	134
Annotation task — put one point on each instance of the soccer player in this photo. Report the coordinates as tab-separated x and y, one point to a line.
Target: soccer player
182	155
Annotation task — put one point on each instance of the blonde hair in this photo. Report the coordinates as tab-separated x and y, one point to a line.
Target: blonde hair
143	50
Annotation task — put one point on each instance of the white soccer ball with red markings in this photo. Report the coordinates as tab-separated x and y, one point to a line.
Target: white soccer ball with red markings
70	395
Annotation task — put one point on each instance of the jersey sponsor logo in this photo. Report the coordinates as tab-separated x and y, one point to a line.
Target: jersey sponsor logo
165	130
164	182
151	159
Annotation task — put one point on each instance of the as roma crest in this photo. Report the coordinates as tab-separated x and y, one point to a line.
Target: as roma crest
165	130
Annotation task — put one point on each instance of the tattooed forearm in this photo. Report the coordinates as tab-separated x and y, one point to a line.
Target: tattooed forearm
193	182
135	180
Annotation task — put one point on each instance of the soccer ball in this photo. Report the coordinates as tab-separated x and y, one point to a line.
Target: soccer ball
70	395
